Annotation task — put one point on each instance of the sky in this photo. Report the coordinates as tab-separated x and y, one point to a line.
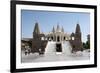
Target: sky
48	19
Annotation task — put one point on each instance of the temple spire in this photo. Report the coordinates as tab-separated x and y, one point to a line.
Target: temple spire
36	28
78	28
78	32
58	28
53	30
62	29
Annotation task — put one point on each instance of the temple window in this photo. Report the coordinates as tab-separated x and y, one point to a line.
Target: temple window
64	38
51	38
72	38
42	38
48	38
58	38
45	38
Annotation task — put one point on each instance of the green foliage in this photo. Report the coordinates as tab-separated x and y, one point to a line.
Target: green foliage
86	45
30	44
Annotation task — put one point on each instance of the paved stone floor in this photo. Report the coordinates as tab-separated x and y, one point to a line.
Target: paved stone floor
85	55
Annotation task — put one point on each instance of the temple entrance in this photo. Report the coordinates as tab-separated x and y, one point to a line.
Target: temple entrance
58	39
58	47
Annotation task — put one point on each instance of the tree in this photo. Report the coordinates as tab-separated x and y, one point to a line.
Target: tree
30	44
86	45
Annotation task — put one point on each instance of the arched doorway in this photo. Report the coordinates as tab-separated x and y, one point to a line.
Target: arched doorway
58	38
51	38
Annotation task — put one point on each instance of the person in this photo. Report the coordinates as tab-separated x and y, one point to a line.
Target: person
40	51
27	50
